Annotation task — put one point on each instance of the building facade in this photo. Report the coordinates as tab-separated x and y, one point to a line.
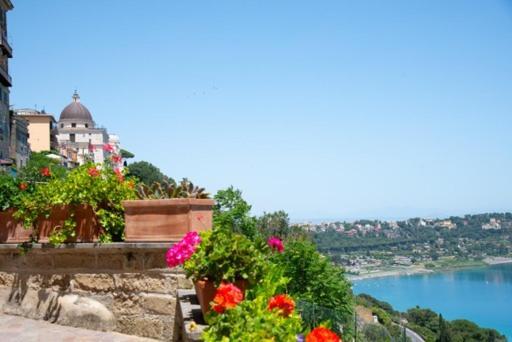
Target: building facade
19	149
5	82
41	129
78	137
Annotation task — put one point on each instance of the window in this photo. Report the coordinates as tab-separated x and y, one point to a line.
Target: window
86	125
61	125
72	137
73	125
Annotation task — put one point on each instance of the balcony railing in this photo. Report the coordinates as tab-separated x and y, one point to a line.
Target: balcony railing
4	44
5	79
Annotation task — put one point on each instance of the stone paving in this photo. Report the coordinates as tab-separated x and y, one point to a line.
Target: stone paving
15	328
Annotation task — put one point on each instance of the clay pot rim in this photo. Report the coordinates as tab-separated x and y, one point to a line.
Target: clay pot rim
167	202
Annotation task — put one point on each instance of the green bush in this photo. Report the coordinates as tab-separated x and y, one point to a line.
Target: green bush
10	191
318	284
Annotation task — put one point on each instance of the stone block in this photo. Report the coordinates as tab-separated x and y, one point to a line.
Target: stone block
154	261
146	326
77	260
143	282
6	279
159	304
126	304
93	282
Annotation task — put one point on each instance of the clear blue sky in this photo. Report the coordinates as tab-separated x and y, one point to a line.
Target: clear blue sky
326	109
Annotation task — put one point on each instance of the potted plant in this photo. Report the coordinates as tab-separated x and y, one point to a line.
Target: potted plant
167	211
11	192
84	206
213	257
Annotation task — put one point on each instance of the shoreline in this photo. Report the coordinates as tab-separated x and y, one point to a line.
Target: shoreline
413	270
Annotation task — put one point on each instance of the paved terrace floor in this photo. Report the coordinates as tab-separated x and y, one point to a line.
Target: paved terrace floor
14	328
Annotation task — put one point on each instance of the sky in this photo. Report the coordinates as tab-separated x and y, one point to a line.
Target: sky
324	109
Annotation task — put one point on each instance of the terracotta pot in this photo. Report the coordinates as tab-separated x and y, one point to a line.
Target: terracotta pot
167	219
12	231
205	291
88	227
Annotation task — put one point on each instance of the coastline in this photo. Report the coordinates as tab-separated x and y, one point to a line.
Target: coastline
420	269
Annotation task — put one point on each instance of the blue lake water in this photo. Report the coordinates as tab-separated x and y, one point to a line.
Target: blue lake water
482	295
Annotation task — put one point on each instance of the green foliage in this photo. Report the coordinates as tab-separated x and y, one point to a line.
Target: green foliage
146	173
224	255
163	190
315	280
233	212
38	160
252	321
10	192
376	332
104	193
274	224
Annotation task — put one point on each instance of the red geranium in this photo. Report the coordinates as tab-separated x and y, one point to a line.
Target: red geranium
227	297
283	303
322	334
23	186
45	171
119	174
116	158
93	172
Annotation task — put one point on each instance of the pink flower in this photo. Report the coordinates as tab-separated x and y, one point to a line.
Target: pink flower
108	148
276	244
183	250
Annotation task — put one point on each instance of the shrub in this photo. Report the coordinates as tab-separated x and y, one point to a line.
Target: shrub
317	284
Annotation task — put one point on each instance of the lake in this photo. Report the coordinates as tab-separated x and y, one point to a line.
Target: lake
482	295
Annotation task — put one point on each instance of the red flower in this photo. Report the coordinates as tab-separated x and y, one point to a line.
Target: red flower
23	186
45	171
322	334
116	158
227	297
93	172
119	174
283	303
276	243
108	148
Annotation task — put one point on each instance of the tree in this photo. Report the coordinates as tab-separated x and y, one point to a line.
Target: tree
443	336
376	332
146	172
234	212
126	154
276	223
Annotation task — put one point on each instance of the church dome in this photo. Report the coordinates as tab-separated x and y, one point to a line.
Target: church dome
76	111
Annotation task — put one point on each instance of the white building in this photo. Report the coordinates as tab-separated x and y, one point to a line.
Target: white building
78	137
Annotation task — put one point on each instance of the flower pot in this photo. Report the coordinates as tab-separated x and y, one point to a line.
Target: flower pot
87	228
205	291
167	219
11	230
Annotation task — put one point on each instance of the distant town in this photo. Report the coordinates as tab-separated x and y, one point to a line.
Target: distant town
368	248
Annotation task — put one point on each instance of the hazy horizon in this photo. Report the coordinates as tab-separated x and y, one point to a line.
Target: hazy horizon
321	109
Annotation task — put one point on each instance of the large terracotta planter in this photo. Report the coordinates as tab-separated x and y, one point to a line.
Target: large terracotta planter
167	219
205	291
87	228
12	231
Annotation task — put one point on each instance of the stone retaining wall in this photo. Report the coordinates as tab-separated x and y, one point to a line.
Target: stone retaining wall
124	287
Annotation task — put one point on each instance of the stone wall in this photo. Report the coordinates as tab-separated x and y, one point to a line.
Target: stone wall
124	287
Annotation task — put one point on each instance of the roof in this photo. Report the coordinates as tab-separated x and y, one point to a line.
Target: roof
76	111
